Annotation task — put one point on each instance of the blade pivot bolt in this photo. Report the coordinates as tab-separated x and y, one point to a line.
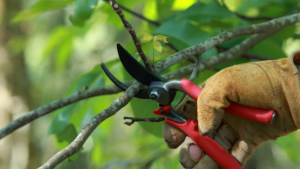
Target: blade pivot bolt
154	95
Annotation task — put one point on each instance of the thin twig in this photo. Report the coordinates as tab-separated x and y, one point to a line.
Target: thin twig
131	31
135	119
193	75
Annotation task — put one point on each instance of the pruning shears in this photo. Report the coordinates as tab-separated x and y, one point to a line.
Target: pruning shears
163	91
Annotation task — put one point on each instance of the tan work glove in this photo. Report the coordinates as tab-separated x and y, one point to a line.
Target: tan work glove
267	85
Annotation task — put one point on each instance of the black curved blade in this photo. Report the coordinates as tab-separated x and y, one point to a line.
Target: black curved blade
142	94
136	70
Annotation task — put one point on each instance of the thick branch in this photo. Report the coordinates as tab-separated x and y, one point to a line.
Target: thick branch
131	31
57	104
46	109
228	55
199	49
89	128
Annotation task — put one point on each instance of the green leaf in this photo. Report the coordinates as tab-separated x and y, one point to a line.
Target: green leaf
290	144
162	38
65	137
203	76
232	63
146	38
164	8
245	6
183	31
157	46
41	7
60	44
204	13
83	11
268	49
62	116
91	79
183	34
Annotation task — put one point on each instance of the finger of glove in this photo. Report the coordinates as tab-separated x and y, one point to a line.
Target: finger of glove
206	163
243	150
190	153
173	136
211	102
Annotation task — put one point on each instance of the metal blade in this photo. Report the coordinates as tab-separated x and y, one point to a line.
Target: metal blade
142	94
136	70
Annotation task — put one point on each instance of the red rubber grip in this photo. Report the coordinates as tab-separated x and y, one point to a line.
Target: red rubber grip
255	114
207	144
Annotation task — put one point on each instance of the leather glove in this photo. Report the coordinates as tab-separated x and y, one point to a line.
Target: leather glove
268	85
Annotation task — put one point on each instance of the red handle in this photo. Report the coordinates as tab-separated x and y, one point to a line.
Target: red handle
207	144
255	114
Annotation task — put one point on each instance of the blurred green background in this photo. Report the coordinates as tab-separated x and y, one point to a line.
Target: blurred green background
52	48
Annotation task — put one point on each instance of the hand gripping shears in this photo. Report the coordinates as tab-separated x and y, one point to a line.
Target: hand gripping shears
163	91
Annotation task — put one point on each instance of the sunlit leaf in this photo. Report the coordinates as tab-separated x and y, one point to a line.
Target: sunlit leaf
41	7
157	46
146	38
204	13
162	38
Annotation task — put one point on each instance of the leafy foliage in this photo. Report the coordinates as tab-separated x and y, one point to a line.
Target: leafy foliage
83	11
185	23
41	7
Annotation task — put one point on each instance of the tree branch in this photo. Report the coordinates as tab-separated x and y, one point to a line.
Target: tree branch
274	25
131	31
226	56
225	36
175	58
46	109
75	146
57	104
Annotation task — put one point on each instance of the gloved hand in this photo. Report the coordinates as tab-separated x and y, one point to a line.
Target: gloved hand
267	85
